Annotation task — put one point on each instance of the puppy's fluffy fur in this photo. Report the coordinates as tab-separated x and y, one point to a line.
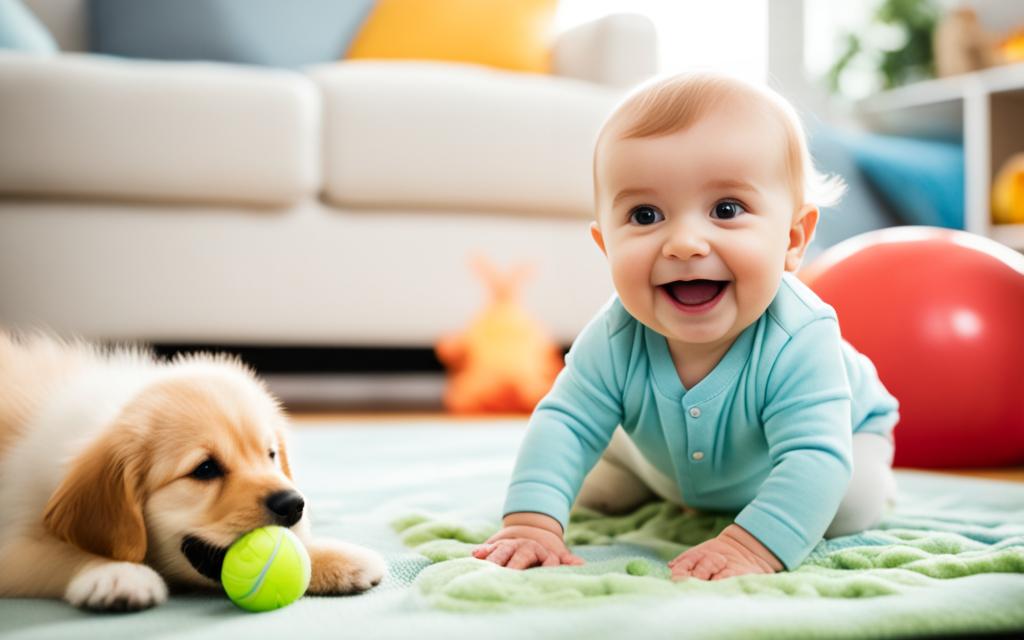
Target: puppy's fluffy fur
121	474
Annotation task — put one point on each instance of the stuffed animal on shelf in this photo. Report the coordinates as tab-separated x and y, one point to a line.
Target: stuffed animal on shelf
1008	192
504	362
961	44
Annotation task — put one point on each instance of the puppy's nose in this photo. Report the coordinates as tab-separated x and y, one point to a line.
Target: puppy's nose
286	506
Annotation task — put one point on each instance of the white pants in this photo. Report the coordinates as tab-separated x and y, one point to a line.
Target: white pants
623	480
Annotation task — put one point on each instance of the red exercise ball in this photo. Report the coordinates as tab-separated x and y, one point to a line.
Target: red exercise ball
941	314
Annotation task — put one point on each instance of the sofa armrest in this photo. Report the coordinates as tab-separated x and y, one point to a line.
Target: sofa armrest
618	50
95	126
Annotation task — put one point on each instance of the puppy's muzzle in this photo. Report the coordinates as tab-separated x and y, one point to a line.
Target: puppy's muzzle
285	507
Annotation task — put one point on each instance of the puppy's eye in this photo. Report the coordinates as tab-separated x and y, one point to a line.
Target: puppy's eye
273	454
207	470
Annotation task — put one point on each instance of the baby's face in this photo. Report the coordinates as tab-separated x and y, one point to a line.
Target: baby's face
696	224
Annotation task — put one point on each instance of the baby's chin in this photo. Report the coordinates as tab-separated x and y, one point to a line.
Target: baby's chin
719	326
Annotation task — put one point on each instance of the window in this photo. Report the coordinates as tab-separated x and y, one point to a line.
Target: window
725	35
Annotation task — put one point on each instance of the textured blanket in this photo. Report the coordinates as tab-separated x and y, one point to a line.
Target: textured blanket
949	560
918	554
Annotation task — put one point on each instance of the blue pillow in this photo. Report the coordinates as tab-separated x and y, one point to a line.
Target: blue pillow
277	33
861	208
21	30
922	180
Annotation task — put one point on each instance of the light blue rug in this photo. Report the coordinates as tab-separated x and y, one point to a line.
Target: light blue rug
360	480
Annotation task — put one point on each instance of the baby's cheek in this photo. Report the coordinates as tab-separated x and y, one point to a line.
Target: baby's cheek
757	281
632	283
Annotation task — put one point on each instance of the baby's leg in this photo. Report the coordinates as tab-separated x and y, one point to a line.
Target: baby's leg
623	479
872	488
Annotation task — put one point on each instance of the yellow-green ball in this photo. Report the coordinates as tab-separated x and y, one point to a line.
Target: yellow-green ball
267	568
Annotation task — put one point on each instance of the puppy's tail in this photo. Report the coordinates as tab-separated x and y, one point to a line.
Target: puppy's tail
32	363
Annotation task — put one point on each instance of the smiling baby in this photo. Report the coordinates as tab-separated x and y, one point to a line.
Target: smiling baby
714	378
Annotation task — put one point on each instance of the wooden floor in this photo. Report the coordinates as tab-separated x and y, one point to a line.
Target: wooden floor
309	418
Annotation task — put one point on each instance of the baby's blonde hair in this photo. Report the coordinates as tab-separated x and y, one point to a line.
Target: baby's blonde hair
667	105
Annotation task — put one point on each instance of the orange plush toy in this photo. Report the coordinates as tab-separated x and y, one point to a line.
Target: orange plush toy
504	362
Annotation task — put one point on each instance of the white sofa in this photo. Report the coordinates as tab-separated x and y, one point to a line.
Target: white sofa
211	203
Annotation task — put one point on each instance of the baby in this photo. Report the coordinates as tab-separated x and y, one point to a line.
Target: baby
714	379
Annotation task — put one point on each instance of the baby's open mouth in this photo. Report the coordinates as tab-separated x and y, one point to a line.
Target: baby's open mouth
695	292
207	558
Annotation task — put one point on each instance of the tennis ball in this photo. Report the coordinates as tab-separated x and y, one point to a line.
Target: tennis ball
267	568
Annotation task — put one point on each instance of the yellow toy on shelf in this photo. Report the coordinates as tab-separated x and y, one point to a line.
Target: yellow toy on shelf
1008	192
504	362
1012	47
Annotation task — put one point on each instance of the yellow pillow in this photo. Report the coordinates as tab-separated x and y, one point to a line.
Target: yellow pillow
509	34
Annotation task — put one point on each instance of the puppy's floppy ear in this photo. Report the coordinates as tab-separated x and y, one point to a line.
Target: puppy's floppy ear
98	507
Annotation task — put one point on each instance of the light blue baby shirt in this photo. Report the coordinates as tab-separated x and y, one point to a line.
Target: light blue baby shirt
767	433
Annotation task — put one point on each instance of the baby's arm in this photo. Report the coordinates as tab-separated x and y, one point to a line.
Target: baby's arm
527	540
567	432
808	428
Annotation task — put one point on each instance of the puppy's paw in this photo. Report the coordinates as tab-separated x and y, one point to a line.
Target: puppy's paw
341	568
116	586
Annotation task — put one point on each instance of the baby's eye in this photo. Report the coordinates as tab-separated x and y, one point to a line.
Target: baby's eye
727	210
645	215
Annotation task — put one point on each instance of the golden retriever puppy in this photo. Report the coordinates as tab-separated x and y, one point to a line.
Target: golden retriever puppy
121	474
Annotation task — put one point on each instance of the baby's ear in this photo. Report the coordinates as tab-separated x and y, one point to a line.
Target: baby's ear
595	233
800	235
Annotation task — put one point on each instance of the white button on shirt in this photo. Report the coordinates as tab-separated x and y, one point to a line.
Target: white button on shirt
694	412
698	455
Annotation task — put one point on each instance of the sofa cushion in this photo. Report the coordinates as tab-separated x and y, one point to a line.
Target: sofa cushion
922	180
263	32
86	125
509	34
22	31
421	135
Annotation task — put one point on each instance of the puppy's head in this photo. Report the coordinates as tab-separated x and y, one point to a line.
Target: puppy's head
192	462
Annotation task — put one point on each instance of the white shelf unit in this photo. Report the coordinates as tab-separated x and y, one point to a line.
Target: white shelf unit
984	110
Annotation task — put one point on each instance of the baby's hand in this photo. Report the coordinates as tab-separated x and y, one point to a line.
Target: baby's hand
522	547
734	552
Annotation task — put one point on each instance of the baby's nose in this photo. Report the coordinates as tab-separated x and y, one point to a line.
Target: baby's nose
685	243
